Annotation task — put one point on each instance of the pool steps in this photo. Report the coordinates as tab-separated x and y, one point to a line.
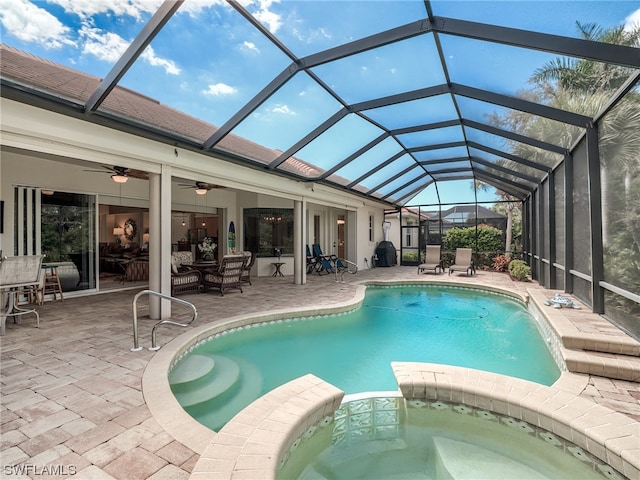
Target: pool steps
584	351
214	388
454	460
457	460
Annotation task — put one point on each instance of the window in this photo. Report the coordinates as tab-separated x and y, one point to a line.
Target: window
408	237
268	229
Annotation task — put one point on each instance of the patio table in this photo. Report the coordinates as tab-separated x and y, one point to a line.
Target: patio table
17	273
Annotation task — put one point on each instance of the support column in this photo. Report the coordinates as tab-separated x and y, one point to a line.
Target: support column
160	242
595	212
551	217
299	242
568	223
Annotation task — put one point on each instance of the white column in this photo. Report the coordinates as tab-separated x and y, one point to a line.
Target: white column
160	242
299	242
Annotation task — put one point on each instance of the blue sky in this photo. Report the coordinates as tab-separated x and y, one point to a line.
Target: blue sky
208	61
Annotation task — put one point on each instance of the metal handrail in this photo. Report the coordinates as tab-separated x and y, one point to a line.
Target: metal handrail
344	270
153	347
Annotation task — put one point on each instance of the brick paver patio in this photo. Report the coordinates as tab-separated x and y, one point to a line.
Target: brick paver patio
72	404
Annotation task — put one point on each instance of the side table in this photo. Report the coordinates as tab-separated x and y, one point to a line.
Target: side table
278	266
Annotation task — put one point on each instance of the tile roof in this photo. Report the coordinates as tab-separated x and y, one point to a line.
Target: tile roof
75	86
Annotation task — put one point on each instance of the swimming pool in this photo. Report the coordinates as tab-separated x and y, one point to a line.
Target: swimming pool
437	324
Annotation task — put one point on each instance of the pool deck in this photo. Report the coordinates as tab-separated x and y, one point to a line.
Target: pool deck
71	391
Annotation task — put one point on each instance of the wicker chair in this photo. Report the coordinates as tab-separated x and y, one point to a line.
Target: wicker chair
246	271
184	278
227	275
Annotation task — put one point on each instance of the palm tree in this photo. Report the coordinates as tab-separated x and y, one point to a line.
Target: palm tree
508	206
588	76
585	86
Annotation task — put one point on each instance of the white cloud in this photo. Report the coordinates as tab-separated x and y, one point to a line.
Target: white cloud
272	20
219	89
169	66
29	23
109	47
284	109
195	7
89	8
250	46
105	46
632	21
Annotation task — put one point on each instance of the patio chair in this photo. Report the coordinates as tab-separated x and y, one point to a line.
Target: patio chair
184	278
312	262
250	260
463	261
226	276
324	263
432	261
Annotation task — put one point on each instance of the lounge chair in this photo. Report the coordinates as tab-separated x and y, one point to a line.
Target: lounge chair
432	261
227	275
312	263
463	261
325	263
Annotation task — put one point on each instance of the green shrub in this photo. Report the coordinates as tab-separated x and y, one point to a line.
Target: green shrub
519	270
489	239
410	256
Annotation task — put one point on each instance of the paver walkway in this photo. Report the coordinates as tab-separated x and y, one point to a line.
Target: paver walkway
71	398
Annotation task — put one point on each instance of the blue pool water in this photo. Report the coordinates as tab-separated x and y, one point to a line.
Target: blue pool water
436	324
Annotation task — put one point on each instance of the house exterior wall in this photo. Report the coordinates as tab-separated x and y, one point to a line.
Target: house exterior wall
44	149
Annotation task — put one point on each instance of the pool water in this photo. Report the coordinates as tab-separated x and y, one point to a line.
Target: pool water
436	324
387	438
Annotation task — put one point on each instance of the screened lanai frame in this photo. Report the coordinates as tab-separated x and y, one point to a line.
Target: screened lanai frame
395	160
466	158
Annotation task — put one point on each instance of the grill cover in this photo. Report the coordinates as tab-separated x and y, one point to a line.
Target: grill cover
386	254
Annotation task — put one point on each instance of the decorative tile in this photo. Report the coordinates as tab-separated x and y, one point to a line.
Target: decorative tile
358	406
365	420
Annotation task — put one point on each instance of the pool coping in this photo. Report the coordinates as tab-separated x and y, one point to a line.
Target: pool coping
224	464
608	435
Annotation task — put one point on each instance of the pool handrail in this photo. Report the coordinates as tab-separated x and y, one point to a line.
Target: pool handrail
154	346
344	270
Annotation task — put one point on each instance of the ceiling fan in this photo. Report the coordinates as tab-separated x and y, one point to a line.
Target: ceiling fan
121	174
201	188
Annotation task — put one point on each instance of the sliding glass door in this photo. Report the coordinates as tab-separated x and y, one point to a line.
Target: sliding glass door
68	237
